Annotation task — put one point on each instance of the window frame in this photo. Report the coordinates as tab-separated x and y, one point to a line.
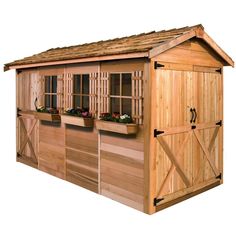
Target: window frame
80	94
51	94
120	96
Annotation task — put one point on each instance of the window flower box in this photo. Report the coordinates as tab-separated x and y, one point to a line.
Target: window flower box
76	120
48	116
116	127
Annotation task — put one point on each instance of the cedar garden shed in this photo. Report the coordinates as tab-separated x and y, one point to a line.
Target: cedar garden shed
169	145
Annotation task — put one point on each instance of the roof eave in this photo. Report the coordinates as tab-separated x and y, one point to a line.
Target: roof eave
79	60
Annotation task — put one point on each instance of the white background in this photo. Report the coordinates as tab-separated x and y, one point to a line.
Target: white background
34	203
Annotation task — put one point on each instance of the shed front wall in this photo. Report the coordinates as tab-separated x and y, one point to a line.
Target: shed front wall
186	156
104	162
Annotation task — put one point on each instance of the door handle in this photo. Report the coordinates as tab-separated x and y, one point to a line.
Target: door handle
195	115
192	115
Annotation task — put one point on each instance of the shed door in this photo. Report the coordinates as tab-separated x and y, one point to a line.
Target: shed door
27	138
188	110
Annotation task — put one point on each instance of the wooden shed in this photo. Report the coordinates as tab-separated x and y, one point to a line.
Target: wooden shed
138	119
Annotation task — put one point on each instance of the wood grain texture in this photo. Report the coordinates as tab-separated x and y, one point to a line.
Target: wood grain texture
122	169
82	156
201	153
200	55
52	149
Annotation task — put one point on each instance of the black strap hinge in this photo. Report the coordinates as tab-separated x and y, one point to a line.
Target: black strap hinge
219	176
193	127
18	154
157	200
157	132
17	112
18	71
157	65
219	123
219	70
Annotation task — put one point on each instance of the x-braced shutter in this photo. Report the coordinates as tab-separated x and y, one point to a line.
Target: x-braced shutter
93	93
60	88
68	91
104	88
137	96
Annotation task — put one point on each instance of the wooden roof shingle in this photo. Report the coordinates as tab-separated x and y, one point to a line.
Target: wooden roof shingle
141	43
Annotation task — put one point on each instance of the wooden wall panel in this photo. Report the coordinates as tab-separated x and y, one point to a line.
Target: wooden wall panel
122	168
82	156
27	89
191	53
122	65
52	148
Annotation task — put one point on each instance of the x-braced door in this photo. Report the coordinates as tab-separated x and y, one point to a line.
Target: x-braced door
188	131
27	138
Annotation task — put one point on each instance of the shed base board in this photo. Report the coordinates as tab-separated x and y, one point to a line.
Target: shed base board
187	196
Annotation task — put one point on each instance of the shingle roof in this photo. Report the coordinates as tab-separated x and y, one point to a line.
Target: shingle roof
149	44
135	43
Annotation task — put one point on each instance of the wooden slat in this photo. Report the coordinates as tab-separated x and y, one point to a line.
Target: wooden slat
171	171
173	160
207	154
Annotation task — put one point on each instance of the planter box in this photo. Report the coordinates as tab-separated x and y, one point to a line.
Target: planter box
48	117
116	127
75	120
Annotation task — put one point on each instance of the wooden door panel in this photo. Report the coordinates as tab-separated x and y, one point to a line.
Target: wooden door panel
27	139
207	96
173	89
174	163
207	167
187	153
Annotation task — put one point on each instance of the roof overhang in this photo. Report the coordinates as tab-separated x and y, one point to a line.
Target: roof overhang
80	60
197	32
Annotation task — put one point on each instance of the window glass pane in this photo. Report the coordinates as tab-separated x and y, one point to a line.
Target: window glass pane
54	84
85	84
126	106
47	84
115	105
85	100
76	101
54	101
47	101
126	84
77	84
115	84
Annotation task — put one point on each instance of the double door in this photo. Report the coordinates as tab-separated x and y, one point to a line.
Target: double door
188	121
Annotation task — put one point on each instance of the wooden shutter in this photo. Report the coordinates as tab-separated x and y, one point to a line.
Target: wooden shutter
104	91
68	91
93	93
137	96
60	88
41	90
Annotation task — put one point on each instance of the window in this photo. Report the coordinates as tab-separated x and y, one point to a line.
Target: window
81	91
121	93
50	91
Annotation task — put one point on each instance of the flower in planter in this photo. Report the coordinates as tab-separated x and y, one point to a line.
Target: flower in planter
106	116
125	119
116	117
80	112
44	109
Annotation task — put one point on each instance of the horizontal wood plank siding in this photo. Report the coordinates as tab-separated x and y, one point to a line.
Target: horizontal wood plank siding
52	149
82	157
122	168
